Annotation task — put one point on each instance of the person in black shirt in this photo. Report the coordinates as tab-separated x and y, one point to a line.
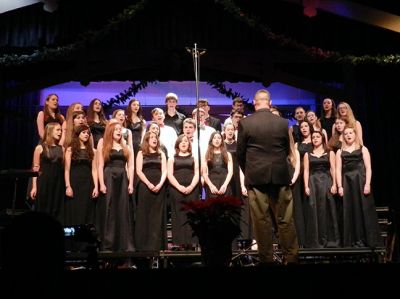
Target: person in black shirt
210	121
173	118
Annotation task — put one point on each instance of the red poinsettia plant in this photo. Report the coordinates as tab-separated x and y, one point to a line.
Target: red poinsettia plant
218	216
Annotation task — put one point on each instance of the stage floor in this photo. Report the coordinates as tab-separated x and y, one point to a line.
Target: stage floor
240	258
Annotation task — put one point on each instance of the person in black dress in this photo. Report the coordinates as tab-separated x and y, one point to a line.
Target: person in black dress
49	188
96	120
183	175
303	146
237	183
328	116
72	109
50	114
336	140
334	144
321	221
353	172
113	211
217	167
299	115
80	179
151	218
136	123
344	110
78	118
119	116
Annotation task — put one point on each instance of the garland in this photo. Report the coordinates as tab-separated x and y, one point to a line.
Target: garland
84	39
221	88
280	39
90	37
122	97
129	93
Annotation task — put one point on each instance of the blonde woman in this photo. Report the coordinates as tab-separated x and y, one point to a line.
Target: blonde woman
353	173
344	110
49	188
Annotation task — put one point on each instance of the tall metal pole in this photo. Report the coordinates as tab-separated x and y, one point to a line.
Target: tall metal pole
196	53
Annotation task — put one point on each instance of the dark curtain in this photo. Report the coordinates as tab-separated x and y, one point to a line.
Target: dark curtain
28	27
19	137
374	99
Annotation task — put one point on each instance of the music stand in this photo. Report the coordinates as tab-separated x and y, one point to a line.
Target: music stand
17	174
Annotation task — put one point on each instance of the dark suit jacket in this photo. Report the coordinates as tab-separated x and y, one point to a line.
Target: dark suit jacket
263	147
214	122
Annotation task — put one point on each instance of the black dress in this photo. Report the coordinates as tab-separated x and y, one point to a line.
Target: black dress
217	171
321	221
50	184
245	220
136	129
97	130
327	124
151	218
360	219
299	195
183	173
80	208
113	211
338	200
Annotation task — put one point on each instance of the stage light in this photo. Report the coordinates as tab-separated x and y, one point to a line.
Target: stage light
310	8
50	5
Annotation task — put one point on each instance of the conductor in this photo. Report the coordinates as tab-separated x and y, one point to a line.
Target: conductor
262	150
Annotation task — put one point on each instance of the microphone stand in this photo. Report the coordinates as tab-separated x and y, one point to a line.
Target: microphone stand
196	53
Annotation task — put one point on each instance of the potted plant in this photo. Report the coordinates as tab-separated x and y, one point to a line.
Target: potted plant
216	224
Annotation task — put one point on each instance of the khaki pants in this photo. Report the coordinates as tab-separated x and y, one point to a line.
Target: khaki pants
269	201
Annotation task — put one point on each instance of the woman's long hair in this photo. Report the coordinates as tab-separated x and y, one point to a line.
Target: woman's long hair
48	139
145	147
108	141
69	133
76	144
211	148
91	114
128	113
47	113
178	142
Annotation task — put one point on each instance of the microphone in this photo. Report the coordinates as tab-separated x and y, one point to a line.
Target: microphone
195	52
